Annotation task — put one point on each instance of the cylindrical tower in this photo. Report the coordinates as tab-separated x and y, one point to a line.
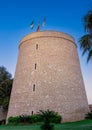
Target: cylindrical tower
48	76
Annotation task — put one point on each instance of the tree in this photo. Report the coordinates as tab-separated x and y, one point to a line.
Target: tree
5	87
46	116
86	40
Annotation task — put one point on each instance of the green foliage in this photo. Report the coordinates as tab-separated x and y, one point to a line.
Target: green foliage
36	118
2	122
86	40
86	45
57	119
4	74
89	115
88	21
24	119
49	116
5	87
79	125
52	116
47	126
13	120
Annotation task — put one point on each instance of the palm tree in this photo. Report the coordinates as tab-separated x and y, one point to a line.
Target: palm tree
46	116
88	21
86	40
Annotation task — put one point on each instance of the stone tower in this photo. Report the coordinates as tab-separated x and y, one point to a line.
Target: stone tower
48	76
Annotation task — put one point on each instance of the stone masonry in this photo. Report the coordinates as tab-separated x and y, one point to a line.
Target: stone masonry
48	76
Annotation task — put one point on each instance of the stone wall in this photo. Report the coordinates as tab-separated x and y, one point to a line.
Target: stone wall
48	76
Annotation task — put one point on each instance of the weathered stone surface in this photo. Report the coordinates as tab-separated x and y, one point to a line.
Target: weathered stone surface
48	76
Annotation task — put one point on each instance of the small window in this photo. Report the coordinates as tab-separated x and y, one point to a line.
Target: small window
32	112
35	66
33	87
36	46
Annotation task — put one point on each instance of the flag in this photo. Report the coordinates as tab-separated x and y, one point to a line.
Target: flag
32	25
44	22
38	28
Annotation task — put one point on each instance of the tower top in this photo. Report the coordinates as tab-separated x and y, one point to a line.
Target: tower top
54	34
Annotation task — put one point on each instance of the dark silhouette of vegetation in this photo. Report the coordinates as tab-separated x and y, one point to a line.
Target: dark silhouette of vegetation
86	40
89	115
47	116
5	87
35	118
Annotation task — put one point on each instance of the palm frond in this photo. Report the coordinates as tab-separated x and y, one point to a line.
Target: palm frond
85	43
88	21
89	56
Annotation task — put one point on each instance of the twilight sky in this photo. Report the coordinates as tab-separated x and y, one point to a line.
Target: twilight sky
61	15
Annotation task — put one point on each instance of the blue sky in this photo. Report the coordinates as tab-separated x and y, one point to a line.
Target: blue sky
61	15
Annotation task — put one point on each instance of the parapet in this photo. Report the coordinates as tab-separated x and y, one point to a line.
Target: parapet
47	34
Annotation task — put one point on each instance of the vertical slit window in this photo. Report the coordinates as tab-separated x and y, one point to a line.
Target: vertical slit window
35	66
32	112
34	87
36	46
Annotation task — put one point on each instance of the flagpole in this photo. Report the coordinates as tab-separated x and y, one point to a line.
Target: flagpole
38	27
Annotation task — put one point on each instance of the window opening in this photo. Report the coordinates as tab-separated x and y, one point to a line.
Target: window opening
34	87
32	112
36	46
35	66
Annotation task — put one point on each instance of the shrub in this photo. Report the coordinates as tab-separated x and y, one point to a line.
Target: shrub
89	115
53	117
13	120
2	122
47	126
24	119
48	118
36	118
57	119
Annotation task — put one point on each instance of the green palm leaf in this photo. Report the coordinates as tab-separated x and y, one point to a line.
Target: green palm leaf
89	56
86	45
86	40
88	22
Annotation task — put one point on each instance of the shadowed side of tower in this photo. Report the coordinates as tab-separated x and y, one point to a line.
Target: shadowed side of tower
48	76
